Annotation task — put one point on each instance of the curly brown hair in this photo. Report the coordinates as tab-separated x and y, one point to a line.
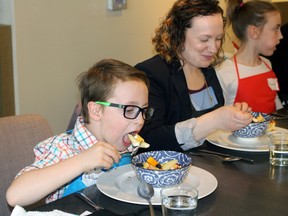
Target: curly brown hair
170	35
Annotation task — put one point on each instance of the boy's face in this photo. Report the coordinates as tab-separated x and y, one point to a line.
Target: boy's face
113	127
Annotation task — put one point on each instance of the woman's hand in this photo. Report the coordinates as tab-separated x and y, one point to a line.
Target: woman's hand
243	106
232	117
228	118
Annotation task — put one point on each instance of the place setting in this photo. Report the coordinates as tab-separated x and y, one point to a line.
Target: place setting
252	138
158	169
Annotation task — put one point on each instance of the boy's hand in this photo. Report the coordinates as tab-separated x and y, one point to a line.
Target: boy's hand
101	155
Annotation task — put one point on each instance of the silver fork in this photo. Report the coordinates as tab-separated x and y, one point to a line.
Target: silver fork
133	152
87	200
222	156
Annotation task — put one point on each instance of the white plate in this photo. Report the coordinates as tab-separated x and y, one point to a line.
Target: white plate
225	139
121	184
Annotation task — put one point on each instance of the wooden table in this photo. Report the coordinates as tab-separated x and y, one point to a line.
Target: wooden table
244	189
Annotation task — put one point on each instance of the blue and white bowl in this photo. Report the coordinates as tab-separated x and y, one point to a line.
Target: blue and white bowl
162	178
254	129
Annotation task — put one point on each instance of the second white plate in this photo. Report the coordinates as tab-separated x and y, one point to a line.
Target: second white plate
121	184
225	139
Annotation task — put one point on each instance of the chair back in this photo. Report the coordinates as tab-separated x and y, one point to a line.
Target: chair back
18	136
76	112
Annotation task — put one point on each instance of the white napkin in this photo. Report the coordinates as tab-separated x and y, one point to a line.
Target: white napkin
20	211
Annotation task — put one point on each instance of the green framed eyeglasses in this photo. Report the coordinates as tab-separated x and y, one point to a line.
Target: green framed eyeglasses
130	111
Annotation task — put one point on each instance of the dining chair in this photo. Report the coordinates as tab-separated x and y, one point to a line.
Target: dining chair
76	112
18	136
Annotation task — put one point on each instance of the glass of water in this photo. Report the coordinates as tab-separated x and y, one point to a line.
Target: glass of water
278	149
180	200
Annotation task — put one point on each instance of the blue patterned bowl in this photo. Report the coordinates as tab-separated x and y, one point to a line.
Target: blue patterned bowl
254	129
162	178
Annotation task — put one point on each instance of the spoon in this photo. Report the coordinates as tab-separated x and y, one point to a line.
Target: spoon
146	191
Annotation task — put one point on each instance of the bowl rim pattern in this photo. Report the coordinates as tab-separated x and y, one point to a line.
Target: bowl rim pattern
237	133
175	152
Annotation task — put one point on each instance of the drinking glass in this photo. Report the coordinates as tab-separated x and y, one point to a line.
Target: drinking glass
278	149
180	200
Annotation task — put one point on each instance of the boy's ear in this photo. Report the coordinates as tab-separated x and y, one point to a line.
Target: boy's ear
94	110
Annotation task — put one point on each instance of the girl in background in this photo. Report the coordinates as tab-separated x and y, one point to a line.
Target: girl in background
247	76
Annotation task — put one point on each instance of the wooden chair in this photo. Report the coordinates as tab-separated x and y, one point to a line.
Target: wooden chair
18	136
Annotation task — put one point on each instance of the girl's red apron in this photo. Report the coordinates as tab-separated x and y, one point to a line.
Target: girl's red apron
255	90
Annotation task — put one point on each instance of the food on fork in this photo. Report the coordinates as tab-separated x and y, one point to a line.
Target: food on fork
271	126
137	140
259	118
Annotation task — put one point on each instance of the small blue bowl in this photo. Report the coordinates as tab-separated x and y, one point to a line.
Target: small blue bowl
162	178
254	129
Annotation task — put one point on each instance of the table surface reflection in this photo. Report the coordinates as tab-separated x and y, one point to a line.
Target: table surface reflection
243	188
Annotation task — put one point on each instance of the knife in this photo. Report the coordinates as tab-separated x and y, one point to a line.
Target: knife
224	155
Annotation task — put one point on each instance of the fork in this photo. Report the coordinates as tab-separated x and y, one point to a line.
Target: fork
222	156
133	152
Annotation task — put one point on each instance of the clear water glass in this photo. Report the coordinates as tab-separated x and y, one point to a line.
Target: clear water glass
180	200
278	149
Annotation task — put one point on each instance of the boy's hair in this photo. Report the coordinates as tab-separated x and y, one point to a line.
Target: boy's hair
170	35
240	15
99	82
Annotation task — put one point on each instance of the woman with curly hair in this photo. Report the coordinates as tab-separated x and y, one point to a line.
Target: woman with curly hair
184	89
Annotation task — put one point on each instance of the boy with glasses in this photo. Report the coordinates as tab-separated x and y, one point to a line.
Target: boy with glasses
114	98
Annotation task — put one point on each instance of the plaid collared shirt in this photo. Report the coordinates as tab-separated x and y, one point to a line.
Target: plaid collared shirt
60	147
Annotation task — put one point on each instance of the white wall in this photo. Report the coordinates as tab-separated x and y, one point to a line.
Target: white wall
55	40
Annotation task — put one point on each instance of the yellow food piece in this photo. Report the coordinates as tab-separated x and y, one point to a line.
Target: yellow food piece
152	164
146	165
169	165
271	126
259	118
150	167
137	140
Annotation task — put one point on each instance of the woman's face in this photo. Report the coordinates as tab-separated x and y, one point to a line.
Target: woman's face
113	126
203	40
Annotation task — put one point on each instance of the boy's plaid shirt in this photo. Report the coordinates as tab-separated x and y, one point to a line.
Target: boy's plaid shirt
60	147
